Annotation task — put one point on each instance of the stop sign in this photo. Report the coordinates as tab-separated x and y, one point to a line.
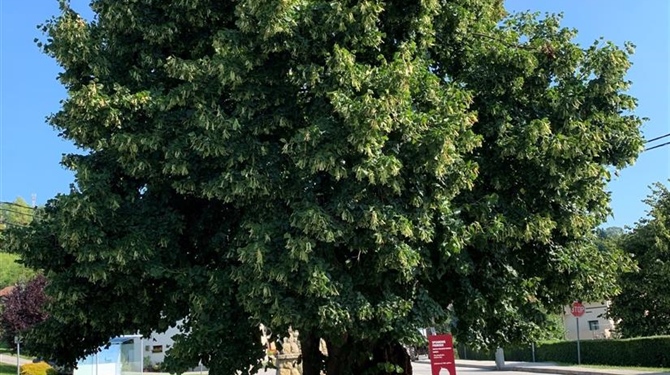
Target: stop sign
577	309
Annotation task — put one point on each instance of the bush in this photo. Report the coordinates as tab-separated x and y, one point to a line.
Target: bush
639	352
23	308
643	352
39	368
463	352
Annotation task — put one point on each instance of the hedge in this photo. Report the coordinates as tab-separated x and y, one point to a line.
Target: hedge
637	352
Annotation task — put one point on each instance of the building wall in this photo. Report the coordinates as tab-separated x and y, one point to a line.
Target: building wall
592	325
156	346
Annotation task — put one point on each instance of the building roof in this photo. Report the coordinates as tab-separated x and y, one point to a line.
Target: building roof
4	292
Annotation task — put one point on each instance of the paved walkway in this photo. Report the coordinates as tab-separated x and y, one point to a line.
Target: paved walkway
536	367
11	360
552	368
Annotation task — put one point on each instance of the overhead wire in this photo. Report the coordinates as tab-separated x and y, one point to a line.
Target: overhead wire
657	138
657	146
17	205
10	224
26	212
31	214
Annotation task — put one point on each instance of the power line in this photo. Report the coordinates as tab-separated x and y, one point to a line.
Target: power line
16	205
657	146
657	138
31	214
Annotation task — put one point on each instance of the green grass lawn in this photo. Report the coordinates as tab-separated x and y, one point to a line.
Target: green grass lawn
4	348
7	369
652	369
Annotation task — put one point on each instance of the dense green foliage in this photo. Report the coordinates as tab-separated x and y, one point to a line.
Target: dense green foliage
637	352
357	170
643	307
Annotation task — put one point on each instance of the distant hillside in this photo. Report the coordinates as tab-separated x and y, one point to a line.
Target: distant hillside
13	214
12	272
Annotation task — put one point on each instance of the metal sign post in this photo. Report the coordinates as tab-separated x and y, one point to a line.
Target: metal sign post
532	346
579	352
578	310
17	341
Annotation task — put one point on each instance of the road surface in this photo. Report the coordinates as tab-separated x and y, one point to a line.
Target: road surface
424	369
420	368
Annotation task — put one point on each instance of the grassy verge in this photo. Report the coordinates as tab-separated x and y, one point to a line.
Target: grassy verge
650	369
4	348
7	369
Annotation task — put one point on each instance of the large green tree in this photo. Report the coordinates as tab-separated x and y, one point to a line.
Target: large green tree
643	307
355	169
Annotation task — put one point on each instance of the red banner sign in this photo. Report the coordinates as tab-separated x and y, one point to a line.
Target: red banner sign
441	354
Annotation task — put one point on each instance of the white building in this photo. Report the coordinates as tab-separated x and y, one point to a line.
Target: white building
592	325
157	344
121	357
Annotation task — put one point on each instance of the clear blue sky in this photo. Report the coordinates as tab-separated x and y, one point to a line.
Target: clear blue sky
30	150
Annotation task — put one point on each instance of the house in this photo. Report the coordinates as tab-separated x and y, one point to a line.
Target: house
592	325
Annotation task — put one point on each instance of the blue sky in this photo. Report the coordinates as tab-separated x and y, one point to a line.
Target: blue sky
30	150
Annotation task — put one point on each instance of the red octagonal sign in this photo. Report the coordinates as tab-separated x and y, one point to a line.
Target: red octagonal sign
578	309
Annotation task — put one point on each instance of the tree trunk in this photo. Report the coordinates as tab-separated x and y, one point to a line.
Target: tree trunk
394	353
340	360
312	359
358	358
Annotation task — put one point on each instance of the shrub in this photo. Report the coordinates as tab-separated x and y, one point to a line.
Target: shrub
23	309
639	352
644	352
39	368
463	352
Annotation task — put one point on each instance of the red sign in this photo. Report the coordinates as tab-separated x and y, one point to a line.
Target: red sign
441	349
578	309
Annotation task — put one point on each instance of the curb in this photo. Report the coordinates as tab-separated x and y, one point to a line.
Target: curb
559	370
565	371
